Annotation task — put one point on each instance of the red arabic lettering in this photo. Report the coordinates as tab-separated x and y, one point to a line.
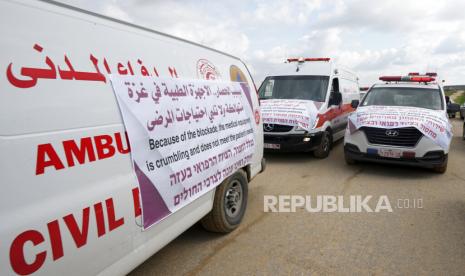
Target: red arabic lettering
32	75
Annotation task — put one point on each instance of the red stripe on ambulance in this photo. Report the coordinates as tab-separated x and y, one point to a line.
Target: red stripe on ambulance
333	113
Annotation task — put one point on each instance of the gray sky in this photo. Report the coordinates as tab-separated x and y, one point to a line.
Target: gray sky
372	37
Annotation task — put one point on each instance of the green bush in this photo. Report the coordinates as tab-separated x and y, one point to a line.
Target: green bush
460	99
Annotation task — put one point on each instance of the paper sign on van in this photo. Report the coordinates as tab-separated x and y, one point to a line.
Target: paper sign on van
186	137
431	123
301	113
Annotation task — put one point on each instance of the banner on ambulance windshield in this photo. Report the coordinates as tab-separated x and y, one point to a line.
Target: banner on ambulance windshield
301	113
434	124
186	137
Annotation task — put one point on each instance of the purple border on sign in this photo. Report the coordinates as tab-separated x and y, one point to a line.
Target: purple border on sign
154	208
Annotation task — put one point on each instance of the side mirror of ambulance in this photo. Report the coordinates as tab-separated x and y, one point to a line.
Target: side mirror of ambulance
355	103
335	98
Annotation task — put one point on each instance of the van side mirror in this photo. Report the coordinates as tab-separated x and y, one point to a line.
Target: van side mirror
335	98
355	103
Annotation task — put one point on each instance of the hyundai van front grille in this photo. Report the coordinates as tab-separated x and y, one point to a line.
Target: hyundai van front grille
401	137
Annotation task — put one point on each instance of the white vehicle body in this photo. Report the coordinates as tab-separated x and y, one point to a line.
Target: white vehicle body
76	212
362	94
327	118
422	150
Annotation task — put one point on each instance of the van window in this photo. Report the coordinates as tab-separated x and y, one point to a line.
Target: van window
348	86
335	85
295	87
401	96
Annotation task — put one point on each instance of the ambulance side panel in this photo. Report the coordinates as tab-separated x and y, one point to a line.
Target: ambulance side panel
336	116
69	200
349	88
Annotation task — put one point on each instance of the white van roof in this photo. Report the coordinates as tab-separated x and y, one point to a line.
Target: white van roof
316	68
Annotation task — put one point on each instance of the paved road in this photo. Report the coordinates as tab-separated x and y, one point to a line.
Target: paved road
430	240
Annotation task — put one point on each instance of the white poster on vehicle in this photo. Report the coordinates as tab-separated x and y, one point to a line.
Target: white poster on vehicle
300	113
186	137
433	124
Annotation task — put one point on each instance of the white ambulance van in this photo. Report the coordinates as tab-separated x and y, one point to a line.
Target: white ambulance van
70	201
305	106
402	120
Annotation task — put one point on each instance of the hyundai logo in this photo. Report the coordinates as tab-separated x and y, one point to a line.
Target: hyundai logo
392	133
268	127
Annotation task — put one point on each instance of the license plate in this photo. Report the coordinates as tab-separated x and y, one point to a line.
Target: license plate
272	146
390	153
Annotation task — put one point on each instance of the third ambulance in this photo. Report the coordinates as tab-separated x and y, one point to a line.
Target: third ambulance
401	121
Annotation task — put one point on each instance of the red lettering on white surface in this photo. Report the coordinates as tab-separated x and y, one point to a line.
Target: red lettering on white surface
47	157
17	258
77	227
84	150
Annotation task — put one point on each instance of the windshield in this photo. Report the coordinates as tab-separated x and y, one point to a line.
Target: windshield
295	87
401	96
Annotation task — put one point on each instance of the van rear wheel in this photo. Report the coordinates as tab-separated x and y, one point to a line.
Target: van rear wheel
229	204
322	151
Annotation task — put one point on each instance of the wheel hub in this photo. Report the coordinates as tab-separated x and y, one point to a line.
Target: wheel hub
233	199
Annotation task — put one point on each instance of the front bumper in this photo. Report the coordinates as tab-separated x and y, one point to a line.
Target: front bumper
431	159
294	142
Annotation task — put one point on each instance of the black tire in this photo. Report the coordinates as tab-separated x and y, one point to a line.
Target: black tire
229	204
461	116
349	161
322	151
441	169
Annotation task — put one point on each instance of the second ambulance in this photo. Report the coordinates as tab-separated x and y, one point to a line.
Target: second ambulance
305	107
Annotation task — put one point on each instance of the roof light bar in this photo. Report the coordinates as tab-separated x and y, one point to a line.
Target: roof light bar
414	74
407	78
422	79
390	78
301	59
365	88
431	74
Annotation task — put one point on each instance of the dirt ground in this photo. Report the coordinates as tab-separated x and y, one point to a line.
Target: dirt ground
407	241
